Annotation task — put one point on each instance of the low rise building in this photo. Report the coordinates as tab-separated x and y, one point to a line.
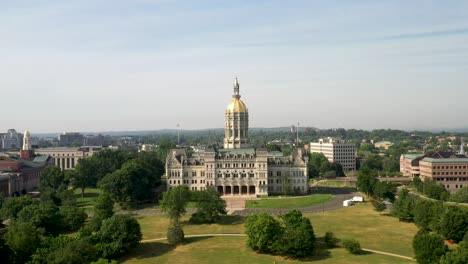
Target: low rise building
336	150
67	157
446	168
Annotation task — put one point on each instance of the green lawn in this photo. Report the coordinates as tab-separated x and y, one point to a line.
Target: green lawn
373	230
89	199
334	184
288	202
234	250
155	226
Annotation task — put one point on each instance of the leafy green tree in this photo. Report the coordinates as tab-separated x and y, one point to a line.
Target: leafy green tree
426	214
132	183
428	248
163	149
103	209
23	238
51	177
73	217
272	147
85	174
110	160
391	164
352	246
42	215
385	190
379	206
456	256
453	223
210	206
175	232
104	261
155	166
461	196
404	206
175	201
298	239
434	190
262	231
373	162
366	181
13	206
118	235
329	174
74	252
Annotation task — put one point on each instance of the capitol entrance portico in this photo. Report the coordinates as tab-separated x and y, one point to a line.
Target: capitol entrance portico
236	190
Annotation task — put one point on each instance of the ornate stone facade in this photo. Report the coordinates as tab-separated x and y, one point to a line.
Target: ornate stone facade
238	169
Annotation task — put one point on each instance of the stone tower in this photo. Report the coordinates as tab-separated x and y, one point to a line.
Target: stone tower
27	141
236	134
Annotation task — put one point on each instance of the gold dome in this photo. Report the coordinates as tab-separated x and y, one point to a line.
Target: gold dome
236	106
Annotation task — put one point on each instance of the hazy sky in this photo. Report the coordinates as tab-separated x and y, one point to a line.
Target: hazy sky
90	65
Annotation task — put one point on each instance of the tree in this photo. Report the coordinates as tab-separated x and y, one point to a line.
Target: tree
329	174
352	246
42	215
13	206
461	196
456	256
174	201
434	190
391	164
379	206
366	181
262	231
298	239
85	174
155	166
23	238
175	232
426	213
74	252
51	177
109	160
403	206
118	235
385	190
428	248
132	183
210	206
103	209
373	162
73	217
453	223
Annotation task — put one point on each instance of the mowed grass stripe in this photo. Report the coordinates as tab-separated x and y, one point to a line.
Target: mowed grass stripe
288	202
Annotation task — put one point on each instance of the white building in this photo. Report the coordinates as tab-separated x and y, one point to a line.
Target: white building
336	151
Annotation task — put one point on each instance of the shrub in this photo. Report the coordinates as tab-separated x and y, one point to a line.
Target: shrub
175	232
379	206
352	246
330	239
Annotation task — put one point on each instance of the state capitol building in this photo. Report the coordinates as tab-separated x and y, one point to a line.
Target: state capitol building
238	169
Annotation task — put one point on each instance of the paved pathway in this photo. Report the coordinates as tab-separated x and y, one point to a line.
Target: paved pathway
244	235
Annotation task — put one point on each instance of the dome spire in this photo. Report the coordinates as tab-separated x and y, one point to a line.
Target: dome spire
236	89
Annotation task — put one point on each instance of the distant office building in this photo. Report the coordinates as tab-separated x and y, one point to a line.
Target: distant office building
446	168
337	151
95	140
66	158
11	139
70	139
147	147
